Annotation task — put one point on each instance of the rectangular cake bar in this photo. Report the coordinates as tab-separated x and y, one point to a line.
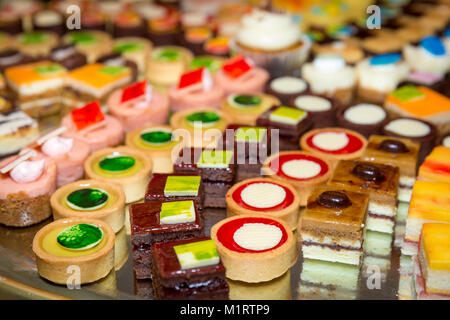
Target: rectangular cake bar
436	166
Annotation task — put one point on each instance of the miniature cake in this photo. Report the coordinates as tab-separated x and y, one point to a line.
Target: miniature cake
212	63
68	56
264	196
138	105
167	63
396	152
245	108
135	49
94	82
302	170
160	142
436	165
204	126
238	75
188	269
49	20
162	23
416	130
378	76
364	118
93	44
334	144
128	23
216	167
332	226
194	38
36	87
429	203
90	199
26	184
12	57
36	44
422	103
91	126
379	181
195	88
116	59
17	130
290	122
157	222
321	110
83	242
171	187
255	248
287	88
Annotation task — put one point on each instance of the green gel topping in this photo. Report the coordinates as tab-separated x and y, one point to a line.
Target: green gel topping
128	47
182	186
80	236
205	117
168	55
183	209
406	93
215	159
87	199
250	134
207	62
247	100
197	254
33	38
156	137
287	115
82	38
49	69
113	70
119	163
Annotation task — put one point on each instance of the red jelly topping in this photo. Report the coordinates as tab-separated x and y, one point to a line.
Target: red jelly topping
437	166
88	115
134	91
289	198
354	144
236	67
276	165
191	78
226	232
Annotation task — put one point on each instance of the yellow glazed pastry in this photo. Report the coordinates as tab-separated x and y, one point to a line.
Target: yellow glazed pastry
437	165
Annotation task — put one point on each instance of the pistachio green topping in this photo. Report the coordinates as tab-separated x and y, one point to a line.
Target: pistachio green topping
168	55
287	115
80	236
156	137
113	70
245	100
206	62
117	163
182	186
87	199
128	47
197	254
82	37
49	69
177	212
406	93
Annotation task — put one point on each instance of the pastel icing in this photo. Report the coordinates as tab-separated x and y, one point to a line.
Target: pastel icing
288	85
301	169
382	73
383	59
263	195
197	254
330	141
27	171
177	212
87	199
257	236
364	113
215	159
408	127
80	237
57	146
287	115
312	103
433	45
182	186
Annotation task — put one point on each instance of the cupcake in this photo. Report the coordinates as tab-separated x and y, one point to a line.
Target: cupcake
286	88
166	64
50	21
135	49
273	41
329	75
379	75
36	44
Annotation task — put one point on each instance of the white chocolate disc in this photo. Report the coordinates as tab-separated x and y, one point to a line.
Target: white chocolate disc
263	195
365	113
446	142
408	128
301	169
288	85
330	141
257	236
312	103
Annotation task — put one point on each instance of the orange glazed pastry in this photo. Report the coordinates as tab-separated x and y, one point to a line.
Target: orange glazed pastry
436	166
430	202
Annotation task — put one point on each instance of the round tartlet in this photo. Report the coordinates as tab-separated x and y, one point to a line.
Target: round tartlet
244	109
302	170
58	259
159	142
121	251
130	168
204	126
334	144
364	118
266	196
90	199
266	250
166	64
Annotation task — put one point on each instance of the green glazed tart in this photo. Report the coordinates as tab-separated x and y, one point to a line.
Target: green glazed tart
129	168
159	142
92	43
167	63
134	49
74	250
90	199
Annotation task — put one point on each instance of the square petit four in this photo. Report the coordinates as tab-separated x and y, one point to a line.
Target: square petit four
36	87
430	202
188	269
379	181
436	165
17	130
396	152
332	225
94	81
160	221
169	187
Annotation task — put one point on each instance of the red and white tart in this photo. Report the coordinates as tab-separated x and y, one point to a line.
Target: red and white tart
264	196
255	248
302	170
138	105
334	144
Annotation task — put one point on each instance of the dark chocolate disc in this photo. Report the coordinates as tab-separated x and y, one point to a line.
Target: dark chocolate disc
334	199
394	146
368	172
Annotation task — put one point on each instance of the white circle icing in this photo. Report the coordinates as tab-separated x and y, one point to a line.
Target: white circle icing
329	63
408	127
47	18
365	113
57	146
301	169
257	236
312	103
263	195
27	171
288	85
330	140
446	142
151	11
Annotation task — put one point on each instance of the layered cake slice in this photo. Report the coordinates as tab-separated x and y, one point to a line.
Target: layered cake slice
188	269
396	152
160	221
36	87
379	181
332	226
436	165
430	202
17	130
